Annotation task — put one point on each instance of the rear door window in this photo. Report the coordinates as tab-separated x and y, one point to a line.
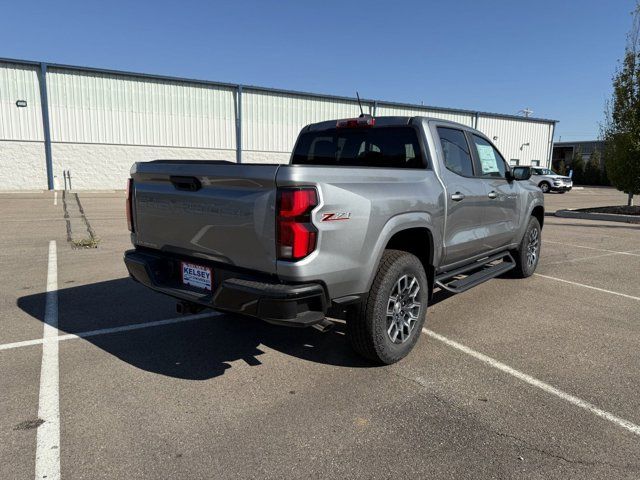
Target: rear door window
455	149
389	147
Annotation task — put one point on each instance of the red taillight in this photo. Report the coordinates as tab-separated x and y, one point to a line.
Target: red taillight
130	204
363	121
296	235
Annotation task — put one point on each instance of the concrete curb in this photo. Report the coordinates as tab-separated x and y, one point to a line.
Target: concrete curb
608	217
18	192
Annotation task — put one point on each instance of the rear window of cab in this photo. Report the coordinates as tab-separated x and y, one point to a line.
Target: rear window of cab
387	147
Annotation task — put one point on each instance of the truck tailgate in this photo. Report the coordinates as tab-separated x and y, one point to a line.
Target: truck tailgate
219	211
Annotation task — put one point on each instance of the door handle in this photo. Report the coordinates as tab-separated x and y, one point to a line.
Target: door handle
456	197
493	194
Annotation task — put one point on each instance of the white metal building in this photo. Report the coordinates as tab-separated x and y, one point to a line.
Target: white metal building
95	123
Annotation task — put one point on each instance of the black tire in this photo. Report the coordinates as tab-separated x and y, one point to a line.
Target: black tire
545	187
368	325
524	268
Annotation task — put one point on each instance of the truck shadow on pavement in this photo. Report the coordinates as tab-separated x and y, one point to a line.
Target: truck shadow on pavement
195	349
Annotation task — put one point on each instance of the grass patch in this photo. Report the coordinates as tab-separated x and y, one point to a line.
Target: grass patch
616	210
91	242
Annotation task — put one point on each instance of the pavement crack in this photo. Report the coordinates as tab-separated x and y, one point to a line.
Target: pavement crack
92	233
423	385
518	440
29	424
574	461
66	215
80	233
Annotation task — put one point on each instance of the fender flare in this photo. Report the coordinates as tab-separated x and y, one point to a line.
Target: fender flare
525	221
396	224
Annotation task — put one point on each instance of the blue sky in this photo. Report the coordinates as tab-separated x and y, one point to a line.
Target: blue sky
556	57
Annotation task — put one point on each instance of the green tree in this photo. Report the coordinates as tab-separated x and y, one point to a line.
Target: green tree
592	169
562	168
577	165
604	179
621	130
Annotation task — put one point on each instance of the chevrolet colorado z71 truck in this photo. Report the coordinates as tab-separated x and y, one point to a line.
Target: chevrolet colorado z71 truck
370	215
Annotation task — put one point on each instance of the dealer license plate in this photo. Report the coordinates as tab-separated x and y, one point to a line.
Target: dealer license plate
196	275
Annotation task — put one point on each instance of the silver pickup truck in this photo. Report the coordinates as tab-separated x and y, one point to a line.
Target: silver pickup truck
368	218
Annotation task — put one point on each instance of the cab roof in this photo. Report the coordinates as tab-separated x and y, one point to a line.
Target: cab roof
386	122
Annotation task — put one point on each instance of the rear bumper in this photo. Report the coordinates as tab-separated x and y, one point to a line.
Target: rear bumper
297	305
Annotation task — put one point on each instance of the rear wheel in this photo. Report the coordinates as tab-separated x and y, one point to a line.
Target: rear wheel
527	255
545	187
386	326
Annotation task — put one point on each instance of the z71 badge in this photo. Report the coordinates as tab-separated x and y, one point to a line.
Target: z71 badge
332	217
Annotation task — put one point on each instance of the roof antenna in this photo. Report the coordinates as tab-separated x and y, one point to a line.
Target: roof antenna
360	104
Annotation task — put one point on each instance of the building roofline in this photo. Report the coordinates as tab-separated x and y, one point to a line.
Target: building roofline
272	90
567	143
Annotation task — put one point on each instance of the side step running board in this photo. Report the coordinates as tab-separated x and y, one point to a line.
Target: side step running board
475	273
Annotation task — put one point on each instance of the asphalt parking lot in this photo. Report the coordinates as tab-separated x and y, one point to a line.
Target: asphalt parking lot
535	378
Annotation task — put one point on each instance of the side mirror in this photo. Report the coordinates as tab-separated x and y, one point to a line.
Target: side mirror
521	173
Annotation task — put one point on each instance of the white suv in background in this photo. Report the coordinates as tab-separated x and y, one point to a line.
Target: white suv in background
550	181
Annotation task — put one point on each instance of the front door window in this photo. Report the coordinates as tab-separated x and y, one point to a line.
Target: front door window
491	162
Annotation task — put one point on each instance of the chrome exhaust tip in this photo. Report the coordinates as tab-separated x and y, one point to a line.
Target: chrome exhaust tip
324	326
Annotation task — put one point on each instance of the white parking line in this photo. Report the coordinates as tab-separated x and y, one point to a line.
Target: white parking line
106	331
25	343
581	259
55	198
578	402
594	248
48	437
587	286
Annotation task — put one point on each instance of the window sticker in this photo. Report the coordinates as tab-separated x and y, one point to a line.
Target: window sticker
488	159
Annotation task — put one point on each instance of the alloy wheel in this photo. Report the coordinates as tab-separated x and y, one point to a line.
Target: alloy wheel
533	247
403	309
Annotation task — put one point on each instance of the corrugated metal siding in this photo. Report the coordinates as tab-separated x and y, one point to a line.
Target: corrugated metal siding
89	107
271	121
465	119
102	107
20	82
512	134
